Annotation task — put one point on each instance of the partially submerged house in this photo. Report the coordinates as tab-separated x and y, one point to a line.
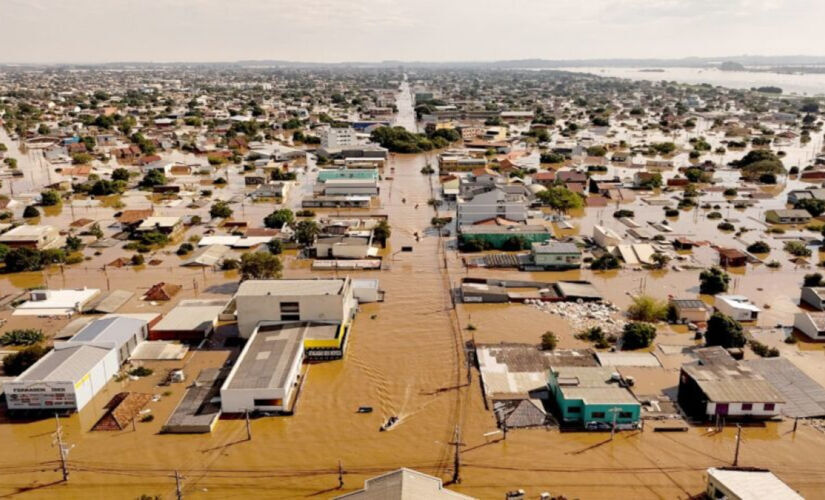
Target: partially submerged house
718	386
737	307
593	397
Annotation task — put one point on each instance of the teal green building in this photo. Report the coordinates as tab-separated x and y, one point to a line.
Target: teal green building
591	395
361	174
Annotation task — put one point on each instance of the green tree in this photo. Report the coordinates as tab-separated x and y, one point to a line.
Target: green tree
17	363
120	174
73	243
279	218
813	206
260	265
30	212
154	177
23	259
381	232
560	198
759	247
724	331
221	210
306	231
275	247
813	279
50	198
713	281
637	335
605	262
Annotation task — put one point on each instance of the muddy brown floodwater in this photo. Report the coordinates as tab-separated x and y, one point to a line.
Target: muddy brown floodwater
405	358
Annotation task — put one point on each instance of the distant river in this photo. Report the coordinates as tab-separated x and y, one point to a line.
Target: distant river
802	84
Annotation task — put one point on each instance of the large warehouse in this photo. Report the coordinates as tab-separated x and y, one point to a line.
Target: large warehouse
266	373
69	376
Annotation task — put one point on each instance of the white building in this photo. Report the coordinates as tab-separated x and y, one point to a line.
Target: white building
493	204
811	324
605	237
737	307
56	302
284	301
69	376
337	138
266	374
403	484
748	484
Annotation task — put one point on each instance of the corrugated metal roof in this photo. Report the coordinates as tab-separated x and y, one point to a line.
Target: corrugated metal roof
117	330
804	397
190	315
627	359
267	358
67	363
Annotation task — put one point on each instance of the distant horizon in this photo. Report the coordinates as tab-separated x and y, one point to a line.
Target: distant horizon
745	59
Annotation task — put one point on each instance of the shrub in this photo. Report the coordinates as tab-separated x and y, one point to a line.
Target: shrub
647	308
759	247
714	215
185	248
274	246
141	371
137	259
797	248
671	212
623	213
725	226
549	341
25	336
230	264
763	350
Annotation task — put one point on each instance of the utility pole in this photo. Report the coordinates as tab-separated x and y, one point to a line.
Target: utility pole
61	448
340	475
248	428
738	440
457	457
178	492
615	411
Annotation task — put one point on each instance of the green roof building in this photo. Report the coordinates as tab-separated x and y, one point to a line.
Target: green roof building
591	396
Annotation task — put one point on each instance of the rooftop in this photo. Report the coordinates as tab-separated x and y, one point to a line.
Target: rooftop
191	315
750	484
591	384
292	287
269	353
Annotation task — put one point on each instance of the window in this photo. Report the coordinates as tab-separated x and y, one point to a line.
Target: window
625	414
769	406
747	406
598	414
290	311
574	409
268	402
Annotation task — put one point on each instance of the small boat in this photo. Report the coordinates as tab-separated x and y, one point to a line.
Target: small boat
389	423
364	409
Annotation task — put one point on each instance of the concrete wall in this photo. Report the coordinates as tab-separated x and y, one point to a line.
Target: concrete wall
804	324
253	309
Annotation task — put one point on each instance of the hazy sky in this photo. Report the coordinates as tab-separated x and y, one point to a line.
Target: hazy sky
431	30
